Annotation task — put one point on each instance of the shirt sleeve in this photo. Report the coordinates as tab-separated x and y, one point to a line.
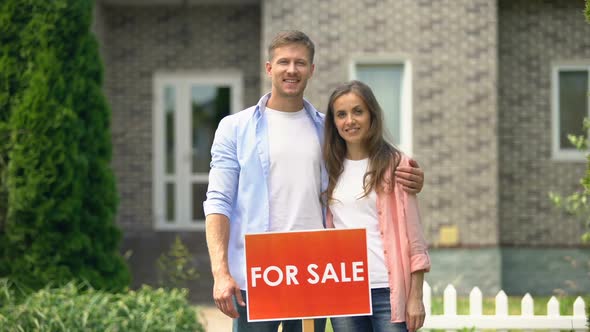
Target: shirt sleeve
225	170
419	258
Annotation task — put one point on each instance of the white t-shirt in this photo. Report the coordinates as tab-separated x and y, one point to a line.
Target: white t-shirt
351	211
294	179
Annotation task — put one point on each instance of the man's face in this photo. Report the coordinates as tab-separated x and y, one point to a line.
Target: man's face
289	70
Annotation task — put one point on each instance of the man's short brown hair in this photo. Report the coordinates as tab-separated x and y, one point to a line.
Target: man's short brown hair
291	37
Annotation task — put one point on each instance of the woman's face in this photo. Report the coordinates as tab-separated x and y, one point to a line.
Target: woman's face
352	118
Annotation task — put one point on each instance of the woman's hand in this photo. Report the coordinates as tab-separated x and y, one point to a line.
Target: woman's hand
415	313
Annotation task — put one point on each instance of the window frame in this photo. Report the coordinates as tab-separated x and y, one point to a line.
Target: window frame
558	153
406	111
183	178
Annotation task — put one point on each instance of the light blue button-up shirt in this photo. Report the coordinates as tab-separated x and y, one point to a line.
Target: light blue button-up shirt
238	179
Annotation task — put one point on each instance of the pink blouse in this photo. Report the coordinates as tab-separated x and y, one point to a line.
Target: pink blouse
404	247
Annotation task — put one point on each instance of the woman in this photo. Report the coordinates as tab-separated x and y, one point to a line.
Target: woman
362	193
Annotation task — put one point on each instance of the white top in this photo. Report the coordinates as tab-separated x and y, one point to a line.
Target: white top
352	211
295	165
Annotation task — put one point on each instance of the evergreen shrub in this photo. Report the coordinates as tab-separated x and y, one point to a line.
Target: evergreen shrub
175	267
14	15
62	197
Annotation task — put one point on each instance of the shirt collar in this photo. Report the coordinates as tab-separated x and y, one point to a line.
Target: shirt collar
311	111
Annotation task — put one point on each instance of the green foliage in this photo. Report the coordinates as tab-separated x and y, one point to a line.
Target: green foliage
578	203
4	136
587	11
14	16
175	267
62	198
76	308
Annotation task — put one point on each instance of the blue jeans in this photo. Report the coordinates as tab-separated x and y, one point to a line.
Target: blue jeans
241	324
380	321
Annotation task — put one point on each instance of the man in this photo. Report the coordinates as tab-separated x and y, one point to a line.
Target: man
267	175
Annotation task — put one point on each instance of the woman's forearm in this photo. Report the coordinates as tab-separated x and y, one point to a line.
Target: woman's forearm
416	284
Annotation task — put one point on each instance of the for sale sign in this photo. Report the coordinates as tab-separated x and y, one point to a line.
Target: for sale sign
307	274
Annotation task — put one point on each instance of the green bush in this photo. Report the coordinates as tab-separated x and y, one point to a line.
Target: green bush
14	16
78	308
176	268
62	197
578	203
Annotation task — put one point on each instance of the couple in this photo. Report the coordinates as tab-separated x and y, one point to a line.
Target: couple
269	174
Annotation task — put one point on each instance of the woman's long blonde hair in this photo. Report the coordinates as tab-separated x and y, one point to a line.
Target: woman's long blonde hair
383	156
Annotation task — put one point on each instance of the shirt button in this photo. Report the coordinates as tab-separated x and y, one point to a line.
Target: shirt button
379	212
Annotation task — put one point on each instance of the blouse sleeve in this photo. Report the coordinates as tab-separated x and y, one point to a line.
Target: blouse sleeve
419	258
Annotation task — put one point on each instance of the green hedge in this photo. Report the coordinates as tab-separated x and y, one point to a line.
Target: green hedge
62	197
13	62
78	308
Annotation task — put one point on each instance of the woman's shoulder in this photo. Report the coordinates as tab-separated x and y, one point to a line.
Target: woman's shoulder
399	158
402	159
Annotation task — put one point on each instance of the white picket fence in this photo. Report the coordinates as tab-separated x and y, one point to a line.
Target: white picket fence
501	321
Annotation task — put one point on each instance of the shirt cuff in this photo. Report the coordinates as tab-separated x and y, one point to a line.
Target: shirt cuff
420	262
209	208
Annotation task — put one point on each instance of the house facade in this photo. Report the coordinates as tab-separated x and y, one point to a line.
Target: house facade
481	92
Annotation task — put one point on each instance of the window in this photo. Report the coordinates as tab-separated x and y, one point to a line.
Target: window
187	110
570	105
391	83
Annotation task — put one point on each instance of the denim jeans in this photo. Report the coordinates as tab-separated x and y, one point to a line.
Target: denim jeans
241	324
380	321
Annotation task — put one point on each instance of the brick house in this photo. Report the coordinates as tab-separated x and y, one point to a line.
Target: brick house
480	92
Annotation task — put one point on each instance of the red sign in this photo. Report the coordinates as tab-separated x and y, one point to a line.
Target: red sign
307	274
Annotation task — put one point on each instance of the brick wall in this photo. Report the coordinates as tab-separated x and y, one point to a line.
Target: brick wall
137	41
532	34
481	108
142	40
453	49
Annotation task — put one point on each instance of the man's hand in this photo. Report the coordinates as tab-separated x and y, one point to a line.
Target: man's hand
410	177
415	313
224	289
